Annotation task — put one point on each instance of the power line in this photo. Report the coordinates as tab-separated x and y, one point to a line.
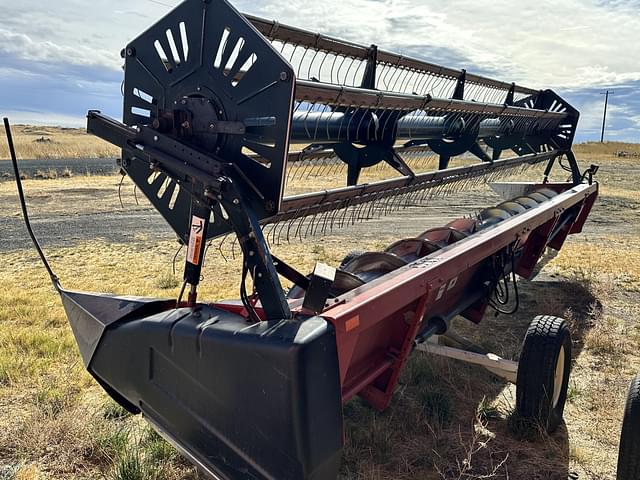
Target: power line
158	2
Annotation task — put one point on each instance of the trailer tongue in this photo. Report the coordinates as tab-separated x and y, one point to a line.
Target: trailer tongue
254	388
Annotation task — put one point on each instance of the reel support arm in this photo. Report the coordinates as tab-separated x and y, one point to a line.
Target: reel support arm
257	259
207	194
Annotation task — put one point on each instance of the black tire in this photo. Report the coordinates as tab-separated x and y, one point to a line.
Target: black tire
540	391
350	256
629	454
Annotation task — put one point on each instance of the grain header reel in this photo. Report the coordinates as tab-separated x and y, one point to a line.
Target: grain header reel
221	110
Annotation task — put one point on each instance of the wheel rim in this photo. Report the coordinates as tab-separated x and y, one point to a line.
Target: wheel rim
559	376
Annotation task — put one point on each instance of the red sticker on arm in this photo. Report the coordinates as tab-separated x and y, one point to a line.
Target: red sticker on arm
196	237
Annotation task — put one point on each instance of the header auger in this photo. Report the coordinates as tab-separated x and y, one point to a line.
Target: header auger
220	109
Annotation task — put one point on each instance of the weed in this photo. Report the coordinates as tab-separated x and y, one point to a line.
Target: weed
573	392
522	428
156	448
132	465
167	281
437	406
487	410
608	338
113	411
111	442
53	400
418	372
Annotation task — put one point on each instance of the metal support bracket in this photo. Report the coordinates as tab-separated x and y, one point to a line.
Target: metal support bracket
510	94
369	78
258	260
458	93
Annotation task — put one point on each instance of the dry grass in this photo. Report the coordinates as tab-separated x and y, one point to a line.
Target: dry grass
50	409
610	261
447	421
55	142
68	195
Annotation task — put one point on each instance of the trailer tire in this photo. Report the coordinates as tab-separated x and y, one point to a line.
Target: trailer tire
350	256
543	373
629	453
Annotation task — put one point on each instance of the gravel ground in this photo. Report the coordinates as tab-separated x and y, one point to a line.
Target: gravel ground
66	216
80	166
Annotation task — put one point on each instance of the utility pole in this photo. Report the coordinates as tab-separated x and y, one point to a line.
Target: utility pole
604	115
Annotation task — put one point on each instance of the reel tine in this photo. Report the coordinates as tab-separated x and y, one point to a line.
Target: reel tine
314	219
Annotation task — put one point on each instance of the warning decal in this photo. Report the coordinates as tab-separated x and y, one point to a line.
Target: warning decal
195	240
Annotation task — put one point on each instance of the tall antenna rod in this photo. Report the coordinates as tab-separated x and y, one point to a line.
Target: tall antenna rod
604	115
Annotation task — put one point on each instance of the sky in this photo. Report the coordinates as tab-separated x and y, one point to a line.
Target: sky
60	59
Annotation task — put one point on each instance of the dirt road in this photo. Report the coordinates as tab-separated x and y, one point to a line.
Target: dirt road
58	167
67	211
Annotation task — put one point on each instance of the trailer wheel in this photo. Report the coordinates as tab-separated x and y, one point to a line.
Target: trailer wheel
629	453
350	256
543	373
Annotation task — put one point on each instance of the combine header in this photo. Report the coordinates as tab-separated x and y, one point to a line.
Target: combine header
220	110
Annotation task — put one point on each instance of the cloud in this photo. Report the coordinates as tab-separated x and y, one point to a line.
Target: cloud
20	45
52	91
62	60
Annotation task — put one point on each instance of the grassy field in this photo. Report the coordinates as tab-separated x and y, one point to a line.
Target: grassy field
55	142
447	421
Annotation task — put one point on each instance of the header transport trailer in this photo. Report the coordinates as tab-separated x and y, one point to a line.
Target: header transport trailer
220	109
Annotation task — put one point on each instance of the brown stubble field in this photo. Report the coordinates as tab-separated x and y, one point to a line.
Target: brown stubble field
447	421
41	142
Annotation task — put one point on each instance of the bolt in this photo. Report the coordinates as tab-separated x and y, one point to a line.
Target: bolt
198	89
259	275
283	76
131	52
155	138
236	201
183	102
212	126
251	253
185	125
